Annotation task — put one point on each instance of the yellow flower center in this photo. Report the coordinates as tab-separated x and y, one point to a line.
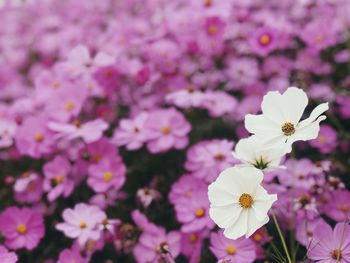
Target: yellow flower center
336	254
208	2
212	29
82	225
199	212
166	130
288	129
319	39
56	85
69	106
219	157
38	137
231	250
257	237
246	200
107	176
344	208
321	139
265	39
59	179
21	228
192	238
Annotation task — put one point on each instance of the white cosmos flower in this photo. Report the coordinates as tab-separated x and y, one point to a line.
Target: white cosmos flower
251	151
239	203
280	119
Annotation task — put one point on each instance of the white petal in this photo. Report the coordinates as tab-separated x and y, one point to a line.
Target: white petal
272	106
239	228
225	216
227	181
262	126
245	149
314	114
220	196
294	103
254	224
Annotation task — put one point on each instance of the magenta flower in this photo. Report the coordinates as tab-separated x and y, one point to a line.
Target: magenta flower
57	180
33	138
192	244
107	174
82	223
305	230
28	188
207	159
108	77
71	255
6	256
338	210
218	103
240	250
326	141
185	187
166	129
264	41
131	132
21	227
330	246
90	131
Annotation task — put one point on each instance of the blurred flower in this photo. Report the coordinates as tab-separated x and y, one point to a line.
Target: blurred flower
326	141
81	223
238	202
70	255
239	250
6	256
21	227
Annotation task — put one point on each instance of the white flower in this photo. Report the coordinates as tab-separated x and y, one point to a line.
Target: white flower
239	203
252	152
280	119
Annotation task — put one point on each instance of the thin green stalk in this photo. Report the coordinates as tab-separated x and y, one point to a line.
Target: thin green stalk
281	237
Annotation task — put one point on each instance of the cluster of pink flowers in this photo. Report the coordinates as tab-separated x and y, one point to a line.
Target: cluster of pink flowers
115	116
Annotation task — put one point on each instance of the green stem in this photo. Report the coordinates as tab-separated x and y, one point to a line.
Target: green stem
281	236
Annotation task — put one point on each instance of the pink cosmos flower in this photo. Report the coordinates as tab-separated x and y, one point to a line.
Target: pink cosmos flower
194	212
82	223
57	181
21	227
6	256
263	41
207	159
218	103
192	244
108	77
305	230
185	187
33	138
326	141
260	238
107	174
214	27
131	132
185	98
28	188
242	72
240	250
166	128
90	131
338	210
330	246
71	255
344	108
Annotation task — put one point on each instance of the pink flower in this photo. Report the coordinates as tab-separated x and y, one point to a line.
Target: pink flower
241	250
305	230
107	174
192	244
90	131
57	181
28	188
131	132
82	222
166	128
21	227
214	27
264	41
185	98
194	212
338	210
33	138
330	246
71	255
6	256
108	77
326	141
207	159
185	187
218	103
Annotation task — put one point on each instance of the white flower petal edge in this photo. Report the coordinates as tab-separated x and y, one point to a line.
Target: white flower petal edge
239	203
280	122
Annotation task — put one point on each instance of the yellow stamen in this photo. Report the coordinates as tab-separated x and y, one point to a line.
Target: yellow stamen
265	39
38	137
321	138
288	129
59	179
107	176
21	228
166	130
82	224
56	85
246	200
69	106
257	237
212	29
231	250
199	212
192	238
